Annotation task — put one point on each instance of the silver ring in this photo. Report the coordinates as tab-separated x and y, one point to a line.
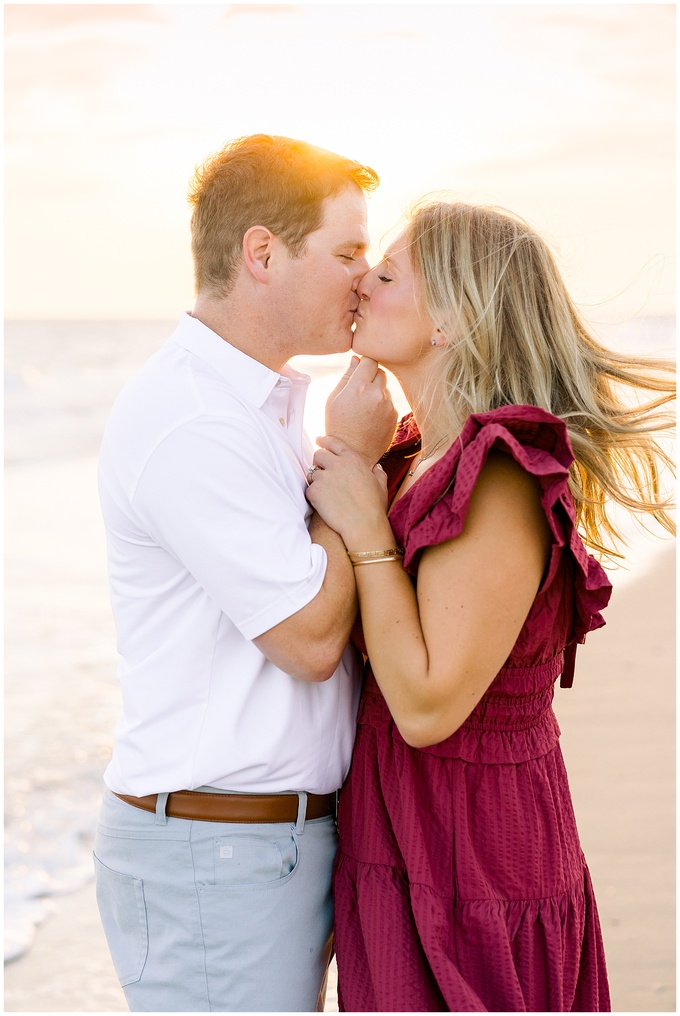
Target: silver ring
310	475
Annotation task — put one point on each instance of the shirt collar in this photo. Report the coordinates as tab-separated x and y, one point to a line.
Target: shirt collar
251	379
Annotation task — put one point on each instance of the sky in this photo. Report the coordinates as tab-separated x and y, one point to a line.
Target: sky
563	113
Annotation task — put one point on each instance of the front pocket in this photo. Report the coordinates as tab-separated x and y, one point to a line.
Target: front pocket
244	860
120	899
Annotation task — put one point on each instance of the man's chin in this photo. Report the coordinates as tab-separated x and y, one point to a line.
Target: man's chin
343	345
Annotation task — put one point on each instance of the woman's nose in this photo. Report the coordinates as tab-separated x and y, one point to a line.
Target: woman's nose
364	289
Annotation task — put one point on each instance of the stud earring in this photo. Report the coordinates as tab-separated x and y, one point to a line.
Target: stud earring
433	342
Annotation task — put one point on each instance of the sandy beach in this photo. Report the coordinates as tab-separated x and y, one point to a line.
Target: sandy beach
618	726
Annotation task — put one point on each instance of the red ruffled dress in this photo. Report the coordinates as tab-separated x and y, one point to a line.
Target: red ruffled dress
460	884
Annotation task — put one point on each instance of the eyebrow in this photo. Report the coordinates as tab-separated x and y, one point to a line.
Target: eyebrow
354	244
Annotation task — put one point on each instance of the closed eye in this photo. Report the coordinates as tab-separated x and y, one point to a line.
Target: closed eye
384	278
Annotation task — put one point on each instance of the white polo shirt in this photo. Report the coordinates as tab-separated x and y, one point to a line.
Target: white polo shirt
202	485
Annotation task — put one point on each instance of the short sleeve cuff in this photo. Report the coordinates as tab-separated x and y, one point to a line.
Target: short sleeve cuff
290	600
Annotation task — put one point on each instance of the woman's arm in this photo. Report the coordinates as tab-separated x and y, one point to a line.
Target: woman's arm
434	651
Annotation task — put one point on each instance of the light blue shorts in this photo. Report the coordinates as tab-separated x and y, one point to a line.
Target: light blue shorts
215	917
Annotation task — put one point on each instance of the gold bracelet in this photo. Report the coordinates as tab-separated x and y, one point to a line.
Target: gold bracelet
376	560
356	556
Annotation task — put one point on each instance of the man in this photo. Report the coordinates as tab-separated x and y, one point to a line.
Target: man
233	610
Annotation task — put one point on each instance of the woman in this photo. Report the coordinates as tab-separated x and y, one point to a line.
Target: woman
460	883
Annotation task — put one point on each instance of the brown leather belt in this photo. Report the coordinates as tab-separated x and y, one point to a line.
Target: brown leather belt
204	807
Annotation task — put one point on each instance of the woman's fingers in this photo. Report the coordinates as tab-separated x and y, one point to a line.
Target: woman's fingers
353	364
381	477
372	372
331	450
365	371
332	444
369	371
342	382
324	458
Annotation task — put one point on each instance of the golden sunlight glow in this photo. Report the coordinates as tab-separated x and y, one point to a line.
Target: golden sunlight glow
563	115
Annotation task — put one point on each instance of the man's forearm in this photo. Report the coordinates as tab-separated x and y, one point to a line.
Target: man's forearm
339	586
309	644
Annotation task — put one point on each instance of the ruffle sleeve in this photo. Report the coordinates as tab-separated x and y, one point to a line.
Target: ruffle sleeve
435	508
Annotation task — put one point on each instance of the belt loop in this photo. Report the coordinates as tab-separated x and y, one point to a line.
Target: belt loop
302	811
161	817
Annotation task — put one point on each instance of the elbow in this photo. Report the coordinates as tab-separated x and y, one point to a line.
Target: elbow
303	655
315	675
416	737
426	730
320	662
321	675
439	709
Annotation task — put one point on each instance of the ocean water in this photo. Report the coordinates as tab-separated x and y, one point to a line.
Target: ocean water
61	693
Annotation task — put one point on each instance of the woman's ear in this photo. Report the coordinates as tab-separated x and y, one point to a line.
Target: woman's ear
257	251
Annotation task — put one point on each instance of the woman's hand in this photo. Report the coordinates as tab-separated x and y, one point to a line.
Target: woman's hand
359	410
349	496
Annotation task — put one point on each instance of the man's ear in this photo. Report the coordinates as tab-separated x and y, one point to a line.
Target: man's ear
258	245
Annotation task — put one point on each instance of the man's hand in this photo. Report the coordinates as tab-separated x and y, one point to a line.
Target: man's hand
359	410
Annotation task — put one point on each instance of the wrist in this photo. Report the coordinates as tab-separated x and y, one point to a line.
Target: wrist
389	554
370	458
364	538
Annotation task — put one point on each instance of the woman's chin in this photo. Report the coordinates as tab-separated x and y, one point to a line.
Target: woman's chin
361	349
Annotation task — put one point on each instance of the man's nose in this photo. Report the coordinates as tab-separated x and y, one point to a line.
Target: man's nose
363	269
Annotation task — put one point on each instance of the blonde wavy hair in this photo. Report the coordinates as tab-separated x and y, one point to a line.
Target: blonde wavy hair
492	286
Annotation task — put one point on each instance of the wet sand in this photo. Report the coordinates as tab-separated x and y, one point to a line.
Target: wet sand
618	725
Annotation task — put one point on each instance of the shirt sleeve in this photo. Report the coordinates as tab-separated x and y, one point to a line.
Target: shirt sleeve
216	494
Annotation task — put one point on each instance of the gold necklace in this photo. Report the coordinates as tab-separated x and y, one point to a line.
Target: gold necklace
423	458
